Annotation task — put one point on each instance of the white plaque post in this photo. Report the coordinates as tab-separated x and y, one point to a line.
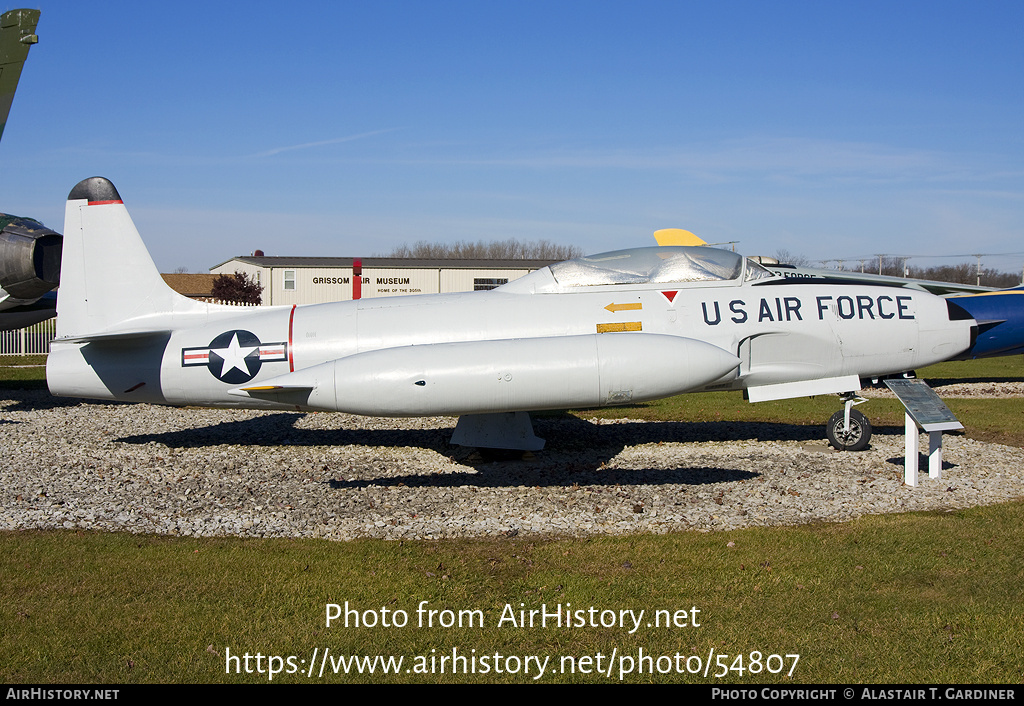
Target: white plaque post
912	450
935	455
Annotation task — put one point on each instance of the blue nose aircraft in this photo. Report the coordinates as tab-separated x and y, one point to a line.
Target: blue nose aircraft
1000	322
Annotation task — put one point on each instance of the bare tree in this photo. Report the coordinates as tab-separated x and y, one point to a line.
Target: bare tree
885	265
966	273
785	257
510	249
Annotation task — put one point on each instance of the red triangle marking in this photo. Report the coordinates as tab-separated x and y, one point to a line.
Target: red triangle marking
670	295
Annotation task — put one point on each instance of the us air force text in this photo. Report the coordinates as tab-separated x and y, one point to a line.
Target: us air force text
793	309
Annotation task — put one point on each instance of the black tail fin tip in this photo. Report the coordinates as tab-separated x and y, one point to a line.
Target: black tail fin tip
94	189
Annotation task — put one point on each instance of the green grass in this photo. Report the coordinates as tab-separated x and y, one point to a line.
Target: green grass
1009	368
902	598
22	372
912	598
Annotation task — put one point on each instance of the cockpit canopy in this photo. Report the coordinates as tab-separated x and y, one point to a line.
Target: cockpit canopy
643	265
638	266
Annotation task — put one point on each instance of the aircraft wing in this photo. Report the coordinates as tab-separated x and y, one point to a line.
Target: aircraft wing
29	252
117	336
17	34
812	274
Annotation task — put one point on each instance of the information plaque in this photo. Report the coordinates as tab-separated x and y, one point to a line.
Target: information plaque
923	405
924	409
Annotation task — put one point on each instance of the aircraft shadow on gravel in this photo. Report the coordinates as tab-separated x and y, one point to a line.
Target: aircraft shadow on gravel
552	474
577	452
566	433
30	398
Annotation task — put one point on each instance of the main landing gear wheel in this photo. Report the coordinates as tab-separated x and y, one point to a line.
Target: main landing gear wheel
854	439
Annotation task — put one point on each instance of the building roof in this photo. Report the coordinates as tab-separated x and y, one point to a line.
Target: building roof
390	262
199	285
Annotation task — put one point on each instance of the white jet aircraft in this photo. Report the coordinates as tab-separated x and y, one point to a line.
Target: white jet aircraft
609	329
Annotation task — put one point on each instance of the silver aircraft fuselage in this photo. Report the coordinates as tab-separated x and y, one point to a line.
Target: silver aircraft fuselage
527	331
608	329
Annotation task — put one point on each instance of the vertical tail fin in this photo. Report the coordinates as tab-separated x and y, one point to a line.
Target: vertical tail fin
107	275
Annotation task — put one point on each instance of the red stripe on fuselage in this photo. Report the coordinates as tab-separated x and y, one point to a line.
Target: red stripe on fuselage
291	345
103	203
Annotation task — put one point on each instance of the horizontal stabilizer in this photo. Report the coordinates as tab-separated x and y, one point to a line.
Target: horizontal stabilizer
114	337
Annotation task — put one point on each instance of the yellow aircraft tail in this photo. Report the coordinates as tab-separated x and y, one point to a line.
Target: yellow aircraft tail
677	236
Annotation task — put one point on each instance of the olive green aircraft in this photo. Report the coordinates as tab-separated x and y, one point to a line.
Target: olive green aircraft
29	251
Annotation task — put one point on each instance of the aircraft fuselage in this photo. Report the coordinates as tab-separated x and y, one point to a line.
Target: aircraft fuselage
776	331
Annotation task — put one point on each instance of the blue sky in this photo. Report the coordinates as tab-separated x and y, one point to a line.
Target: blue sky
832	130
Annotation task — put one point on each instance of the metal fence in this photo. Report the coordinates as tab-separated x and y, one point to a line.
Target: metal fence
32	340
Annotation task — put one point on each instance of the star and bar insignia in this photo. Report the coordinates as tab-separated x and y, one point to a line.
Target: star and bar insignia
234	357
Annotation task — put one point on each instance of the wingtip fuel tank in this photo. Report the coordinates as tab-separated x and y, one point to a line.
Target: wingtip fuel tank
482	377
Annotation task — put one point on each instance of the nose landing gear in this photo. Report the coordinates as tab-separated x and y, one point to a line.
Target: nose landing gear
849	430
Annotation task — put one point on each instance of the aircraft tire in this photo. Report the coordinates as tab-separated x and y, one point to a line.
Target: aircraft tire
856	439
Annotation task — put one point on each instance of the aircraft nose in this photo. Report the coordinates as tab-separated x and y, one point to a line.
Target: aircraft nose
1000	317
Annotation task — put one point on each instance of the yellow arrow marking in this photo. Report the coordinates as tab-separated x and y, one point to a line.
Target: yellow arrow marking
624	307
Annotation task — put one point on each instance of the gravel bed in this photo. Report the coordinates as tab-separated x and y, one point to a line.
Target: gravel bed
960	390
198	472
